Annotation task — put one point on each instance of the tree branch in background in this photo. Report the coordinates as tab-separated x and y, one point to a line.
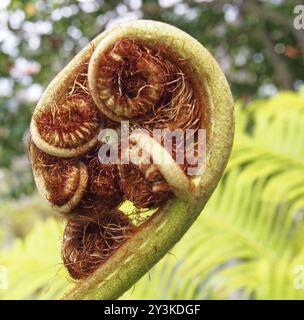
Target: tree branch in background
267	14
282	74
277	18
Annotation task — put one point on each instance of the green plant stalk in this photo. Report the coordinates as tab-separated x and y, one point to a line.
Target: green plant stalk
159	234
138	254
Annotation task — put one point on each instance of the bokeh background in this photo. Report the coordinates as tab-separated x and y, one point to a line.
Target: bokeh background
248	243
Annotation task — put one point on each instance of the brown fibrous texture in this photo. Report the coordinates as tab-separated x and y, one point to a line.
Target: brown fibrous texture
88	243
103	191
69	124
74	120
104	180
135	81
144	185
130	79
61	176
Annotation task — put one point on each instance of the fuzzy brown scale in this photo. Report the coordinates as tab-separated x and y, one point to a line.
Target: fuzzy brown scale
79	87
103	192
131	75
143	185
69	124
131	79
104	180
88	243
61	176
178	107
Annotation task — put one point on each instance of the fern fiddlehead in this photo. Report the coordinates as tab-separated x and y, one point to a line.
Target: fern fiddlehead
156	77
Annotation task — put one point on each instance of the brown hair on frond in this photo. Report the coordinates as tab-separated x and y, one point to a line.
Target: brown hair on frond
143	84
80	87
178	108
145	187
57	173
137	82
69	124
103	191
88	243
71	121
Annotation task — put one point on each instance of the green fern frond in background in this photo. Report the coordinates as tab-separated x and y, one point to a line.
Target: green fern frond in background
245	245
34	266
